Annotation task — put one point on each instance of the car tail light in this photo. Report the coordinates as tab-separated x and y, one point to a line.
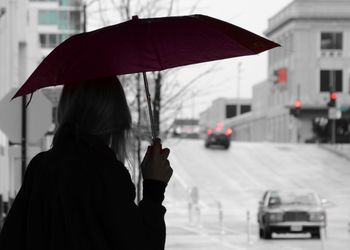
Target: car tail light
210	131
228	132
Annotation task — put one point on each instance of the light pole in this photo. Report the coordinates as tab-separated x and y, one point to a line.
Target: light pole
2	12
85	5
238	107
333	105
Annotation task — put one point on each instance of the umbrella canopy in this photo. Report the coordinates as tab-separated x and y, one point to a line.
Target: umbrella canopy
141	45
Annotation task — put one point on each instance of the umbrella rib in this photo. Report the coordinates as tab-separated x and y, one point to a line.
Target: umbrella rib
154	47
205	22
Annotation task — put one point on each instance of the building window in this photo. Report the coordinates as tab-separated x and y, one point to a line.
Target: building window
231	111
48	17
329	77
331	40
63	37
74	20
63	19
70	2
50	41
245	109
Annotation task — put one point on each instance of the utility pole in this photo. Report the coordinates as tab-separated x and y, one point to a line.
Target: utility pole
332	104
84	17
193	104
297	120
238	106
85	4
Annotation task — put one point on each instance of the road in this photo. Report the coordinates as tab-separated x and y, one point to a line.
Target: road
235	179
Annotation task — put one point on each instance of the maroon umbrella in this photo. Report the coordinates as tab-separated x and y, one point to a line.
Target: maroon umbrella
141	45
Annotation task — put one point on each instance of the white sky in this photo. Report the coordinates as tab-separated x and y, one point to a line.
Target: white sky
252	15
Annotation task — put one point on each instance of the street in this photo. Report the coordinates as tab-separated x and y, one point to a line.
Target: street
230	184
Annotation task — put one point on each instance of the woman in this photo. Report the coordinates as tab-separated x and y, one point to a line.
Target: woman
78	194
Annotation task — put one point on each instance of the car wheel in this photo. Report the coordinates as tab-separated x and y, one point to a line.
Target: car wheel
207	145
261	233
227	146
266	233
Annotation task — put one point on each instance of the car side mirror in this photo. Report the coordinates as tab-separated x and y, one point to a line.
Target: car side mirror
326	203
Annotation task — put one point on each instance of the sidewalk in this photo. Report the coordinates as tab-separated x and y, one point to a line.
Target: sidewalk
340	149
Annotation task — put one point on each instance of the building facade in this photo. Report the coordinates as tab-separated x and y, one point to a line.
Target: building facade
29	30
313	59
222	109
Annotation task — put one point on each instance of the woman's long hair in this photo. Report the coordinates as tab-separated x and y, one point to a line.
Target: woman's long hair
97	107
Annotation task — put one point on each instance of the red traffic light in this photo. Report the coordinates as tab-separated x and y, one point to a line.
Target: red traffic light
297	104
333	95
280	76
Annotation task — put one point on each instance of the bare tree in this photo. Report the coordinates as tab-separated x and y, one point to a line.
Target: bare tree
167	91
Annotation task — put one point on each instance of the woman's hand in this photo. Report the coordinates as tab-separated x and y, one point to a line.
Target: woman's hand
155	164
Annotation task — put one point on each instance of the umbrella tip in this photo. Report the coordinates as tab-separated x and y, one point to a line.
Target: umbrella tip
136	17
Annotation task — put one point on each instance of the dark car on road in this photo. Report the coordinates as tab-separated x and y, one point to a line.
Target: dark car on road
291	212
220	136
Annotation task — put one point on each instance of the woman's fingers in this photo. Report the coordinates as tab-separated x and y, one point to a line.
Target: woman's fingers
157	165
157	145
165	153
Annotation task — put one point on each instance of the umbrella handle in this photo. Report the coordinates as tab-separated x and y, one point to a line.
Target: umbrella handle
148	96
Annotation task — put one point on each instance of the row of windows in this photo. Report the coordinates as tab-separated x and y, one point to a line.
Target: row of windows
329	41
231	110
50	41
62	2
62	18
331	80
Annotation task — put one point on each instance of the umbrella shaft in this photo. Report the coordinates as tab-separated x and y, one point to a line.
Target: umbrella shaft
148	96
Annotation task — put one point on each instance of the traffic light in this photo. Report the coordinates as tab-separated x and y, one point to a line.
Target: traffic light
296	108
275	76
297	104
280	76
332	99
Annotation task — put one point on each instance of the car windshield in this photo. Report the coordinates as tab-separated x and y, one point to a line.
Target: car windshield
293	198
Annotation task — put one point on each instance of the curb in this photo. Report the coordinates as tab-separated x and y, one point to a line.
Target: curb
334	151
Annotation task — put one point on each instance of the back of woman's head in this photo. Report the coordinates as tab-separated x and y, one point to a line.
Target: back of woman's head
97	107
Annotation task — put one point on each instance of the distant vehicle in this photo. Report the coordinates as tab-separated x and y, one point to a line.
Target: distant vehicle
219	136
291	212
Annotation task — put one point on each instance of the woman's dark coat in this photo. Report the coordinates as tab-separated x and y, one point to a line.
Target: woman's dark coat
77	195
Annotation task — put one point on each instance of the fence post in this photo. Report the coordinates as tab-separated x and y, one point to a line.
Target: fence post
322	237
221	218
189	212
248	227
198	212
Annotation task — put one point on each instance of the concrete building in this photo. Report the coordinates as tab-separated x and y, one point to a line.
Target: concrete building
314	57
29	30
221	109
